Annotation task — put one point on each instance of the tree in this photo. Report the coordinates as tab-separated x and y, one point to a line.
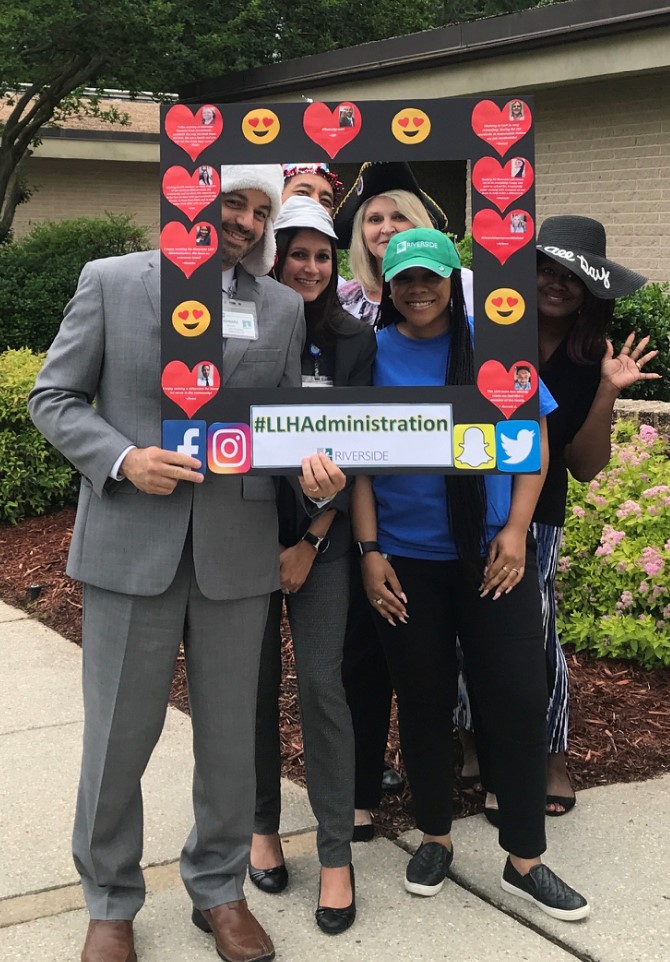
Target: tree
458	11
51	49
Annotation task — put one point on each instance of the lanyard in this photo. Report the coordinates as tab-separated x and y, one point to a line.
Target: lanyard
315	353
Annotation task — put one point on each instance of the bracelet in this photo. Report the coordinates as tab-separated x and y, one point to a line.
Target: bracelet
365	547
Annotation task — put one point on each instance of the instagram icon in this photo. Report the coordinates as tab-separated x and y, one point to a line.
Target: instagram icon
229	448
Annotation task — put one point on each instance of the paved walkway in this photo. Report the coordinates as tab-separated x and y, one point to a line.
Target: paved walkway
615	846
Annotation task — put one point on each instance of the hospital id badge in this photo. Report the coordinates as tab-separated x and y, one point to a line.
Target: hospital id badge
316	380
238	319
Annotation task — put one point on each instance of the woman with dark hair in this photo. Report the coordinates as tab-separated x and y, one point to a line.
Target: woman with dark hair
385	200
314	571
451	556
576	291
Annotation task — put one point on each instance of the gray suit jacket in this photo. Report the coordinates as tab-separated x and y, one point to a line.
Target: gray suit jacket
107	351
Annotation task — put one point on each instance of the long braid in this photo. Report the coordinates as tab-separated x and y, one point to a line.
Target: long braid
466	495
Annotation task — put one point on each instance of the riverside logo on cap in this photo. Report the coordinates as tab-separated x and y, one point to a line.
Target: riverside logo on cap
420	247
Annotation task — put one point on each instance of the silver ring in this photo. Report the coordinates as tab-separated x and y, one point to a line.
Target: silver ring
515	569
315	489
379	601
505	568
639	365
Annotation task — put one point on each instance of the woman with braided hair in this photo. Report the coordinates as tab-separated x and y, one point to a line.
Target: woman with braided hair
451	556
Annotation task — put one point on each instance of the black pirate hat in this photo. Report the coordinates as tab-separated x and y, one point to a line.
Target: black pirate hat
579	243
376	178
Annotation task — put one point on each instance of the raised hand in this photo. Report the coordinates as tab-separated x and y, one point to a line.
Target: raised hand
626	368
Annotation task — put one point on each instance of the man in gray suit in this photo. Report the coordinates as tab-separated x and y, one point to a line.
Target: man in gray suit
167	554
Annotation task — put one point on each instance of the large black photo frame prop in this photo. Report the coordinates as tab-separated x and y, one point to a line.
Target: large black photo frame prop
495	134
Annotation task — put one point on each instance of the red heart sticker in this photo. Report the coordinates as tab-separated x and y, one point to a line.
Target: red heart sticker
190	388
188	249
502	236
193	133
508	390
332	129
191	193
501	127
502	185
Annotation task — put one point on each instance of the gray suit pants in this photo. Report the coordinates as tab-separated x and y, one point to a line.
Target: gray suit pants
318	616
130	649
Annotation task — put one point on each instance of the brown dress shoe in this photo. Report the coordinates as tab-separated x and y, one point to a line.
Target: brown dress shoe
109	941
239	936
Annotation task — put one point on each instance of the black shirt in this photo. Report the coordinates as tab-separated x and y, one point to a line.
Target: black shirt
348	362
574	387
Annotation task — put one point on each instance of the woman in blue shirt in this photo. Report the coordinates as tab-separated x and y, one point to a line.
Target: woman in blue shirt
451	556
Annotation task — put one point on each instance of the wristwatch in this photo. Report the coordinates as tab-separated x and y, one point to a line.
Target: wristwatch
319	544
365	547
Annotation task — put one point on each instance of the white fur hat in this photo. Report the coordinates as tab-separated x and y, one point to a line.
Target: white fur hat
268	178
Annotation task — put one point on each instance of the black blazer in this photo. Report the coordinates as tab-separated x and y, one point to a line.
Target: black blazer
355	351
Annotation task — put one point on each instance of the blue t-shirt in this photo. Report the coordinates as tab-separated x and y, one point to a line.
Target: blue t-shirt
412	518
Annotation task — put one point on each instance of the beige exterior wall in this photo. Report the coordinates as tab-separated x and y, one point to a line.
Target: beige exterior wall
603	150
603	146
88	188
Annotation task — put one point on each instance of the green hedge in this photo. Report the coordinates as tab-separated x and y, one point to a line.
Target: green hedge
39	273
647	312
613	588
34	477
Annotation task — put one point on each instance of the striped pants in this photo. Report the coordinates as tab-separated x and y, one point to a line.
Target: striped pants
548	538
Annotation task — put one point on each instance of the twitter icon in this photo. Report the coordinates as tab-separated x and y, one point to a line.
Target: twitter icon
518	446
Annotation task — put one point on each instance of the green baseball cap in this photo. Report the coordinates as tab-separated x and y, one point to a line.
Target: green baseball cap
420	247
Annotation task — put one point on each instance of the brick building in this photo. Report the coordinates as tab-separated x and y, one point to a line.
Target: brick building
599	71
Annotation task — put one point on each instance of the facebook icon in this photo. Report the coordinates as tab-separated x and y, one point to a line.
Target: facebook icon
187	437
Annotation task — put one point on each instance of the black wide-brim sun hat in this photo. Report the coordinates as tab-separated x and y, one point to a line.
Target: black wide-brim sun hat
580	243
376	178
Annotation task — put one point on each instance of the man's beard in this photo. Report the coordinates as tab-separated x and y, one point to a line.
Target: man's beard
234	249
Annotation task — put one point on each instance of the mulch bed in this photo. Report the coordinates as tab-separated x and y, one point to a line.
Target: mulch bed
620	721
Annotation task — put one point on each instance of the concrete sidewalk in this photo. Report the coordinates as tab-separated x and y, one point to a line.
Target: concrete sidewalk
615	847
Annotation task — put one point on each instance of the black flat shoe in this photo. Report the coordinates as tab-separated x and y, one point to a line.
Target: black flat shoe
392	781
335	921
547	891
363	833
272	881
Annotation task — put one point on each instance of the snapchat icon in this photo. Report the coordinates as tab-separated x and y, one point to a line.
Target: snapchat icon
474	446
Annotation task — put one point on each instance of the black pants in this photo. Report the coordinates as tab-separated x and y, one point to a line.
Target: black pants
368	689
503	647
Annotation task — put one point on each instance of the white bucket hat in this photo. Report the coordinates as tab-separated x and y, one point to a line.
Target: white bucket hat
305	212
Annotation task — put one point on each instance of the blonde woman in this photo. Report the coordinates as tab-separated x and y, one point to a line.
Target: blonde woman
384	201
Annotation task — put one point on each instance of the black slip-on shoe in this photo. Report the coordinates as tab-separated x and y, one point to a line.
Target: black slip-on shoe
546	890
428	868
